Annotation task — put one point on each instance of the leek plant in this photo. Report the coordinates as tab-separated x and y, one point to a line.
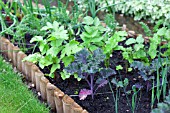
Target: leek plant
119	84
3	25
7	12
93	10
47	6
161	81
134	98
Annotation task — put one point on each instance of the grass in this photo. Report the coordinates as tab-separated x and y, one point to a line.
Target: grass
14	94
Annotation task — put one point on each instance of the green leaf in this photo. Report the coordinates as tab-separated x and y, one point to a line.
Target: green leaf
146	29
49	26
36	39
65	75
45	61
119	67
122	33
129	69
162	31
71	48
95	33
155	40
139	54
53	51
130	41
85	35
120	48
167	35
51	75
152	53
43	47
93	47
77	77
56	43
114	81
140	39
54	67
137	47
88	20
126	82
55	26
120	84
44	28
96	21
97	39
89	29
67	60
101	29
33	57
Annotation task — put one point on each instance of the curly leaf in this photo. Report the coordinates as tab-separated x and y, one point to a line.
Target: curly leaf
106	72
98	55
84	93
101	82
72	68
82	56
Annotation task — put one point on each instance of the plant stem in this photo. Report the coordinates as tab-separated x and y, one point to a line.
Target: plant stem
91	87
153	96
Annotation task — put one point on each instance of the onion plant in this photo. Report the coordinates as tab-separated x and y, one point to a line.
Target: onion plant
161	81
93	10
135	97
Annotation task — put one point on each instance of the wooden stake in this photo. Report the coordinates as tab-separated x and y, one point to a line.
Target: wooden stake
43	87
34	68
50	95
10	51
28	69
14	55
75	108
58	96
4	45
67	102
38	76
20	56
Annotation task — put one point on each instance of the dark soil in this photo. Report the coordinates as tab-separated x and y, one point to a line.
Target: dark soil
103	101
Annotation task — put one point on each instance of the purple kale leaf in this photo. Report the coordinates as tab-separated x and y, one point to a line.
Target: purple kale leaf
84	93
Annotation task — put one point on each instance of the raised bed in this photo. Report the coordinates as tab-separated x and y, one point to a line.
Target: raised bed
62	103
56	99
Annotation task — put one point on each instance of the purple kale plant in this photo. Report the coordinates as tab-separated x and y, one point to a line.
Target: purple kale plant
88	66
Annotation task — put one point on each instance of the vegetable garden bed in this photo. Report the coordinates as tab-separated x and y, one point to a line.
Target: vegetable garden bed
103	68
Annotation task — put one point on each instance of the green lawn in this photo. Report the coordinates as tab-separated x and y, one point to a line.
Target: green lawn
14	95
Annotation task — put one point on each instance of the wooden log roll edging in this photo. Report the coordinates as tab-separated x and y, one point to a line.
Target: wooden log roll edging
56	99
43	85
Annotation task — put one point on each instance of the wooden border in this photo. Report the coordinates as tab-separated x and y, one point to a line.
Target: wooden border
56	99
